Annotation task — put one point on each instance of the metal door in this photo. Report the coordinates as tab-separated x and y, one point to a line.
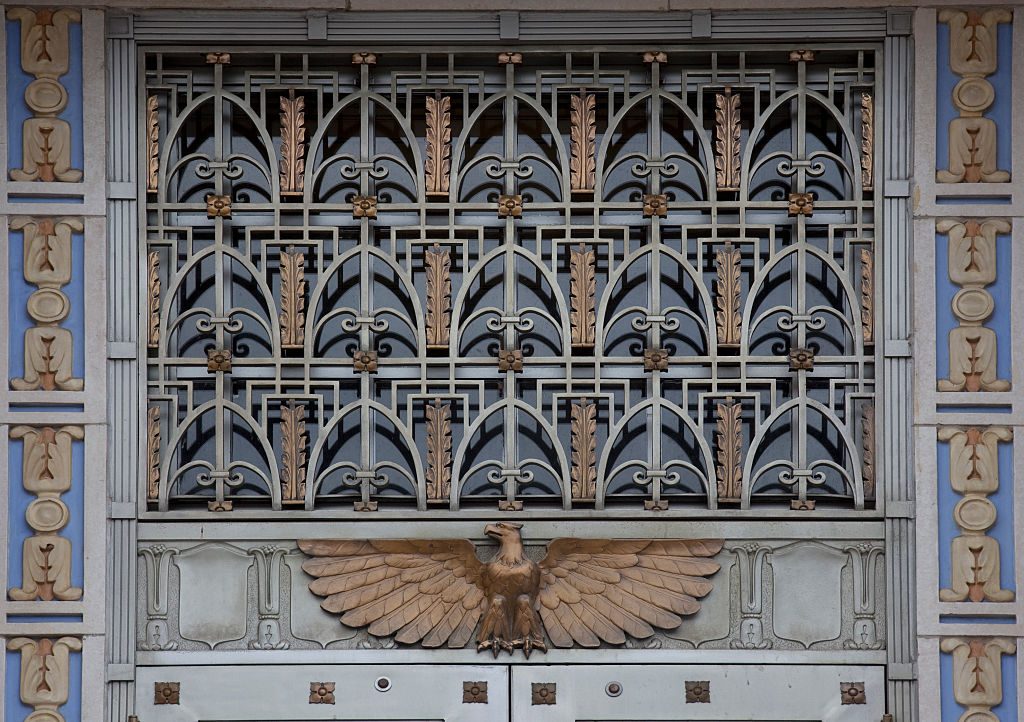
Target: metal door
710	693
354	693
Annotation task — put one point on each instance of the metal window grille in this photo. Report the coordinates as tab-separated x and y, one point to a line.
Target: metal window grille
606	280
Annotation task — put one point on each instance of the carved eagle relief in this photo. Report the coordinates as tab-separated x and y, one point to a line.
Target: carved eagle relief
584	591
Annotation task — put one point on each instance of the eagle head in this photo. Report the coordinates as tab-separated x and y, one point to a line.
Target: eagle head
507	533
504	530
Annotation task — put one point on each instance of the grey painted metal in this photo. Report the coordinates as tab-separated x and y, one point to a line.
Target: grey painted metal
656	428
124	398
896	388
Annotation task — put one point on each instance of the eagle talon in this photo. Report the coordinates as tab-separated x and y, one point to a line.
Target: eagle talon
529	644
495	645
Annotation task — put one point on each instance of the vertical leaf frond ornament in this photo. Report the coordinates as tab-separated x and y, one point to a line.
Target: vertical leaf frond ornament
729	442
293	143
868	449
582	289
728	321
293	452
867	140
582	134
293	298
153	453
439	145
439	296
152	143
153	299
439	450
867	294
583	431
727	140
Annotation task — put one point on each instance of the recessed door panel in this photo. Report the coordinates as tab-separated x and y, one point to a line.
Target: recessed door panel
312	693
704	693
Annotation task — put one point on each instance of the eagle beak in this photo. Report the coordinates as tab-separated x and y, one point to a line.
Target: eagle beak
492	531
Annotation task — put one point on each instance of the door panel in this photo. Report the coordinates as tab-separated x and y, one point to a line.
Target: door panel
406	693
767	693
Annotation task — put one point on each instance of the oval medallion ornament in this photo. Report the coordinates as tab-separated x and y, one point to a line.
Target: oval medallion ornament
975	513
973	305
48	305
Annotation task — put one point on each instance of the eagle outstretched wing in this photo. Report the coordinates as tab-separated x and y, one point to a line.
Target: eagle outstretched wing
600	589
421	591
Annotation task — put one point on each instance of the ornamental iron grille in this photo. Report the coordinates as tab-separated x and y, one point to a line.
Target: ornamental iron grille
576	280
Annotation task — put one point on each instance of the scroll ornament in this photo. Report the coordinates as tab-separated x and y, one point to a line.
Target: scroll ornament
45	674
47	265
972	266
973	56
46	473
45	54
977	674
584	592
974	473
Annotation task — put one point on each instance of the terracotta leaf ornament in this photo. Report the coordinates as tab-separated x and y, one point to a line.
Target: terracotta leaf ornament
584	592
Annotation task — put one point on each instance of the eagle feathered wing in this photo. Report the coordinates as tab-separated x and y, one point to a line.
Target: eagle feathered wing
600	589
424	591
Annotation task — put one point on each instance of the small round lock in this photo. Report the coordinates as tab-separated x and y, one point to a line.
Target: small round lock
383	684
613	689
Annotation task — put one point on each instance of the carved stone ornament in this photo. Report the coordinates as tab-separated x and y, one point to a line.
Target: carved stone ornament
364	207
655	359
801	204
728	316
293	143
509	360
727	141
44	674
438	264
801	56
45	54
867	141
218	206
439	145
972	266
364	58
474	692
218	58
655	205
510	206
321	692
293	299
153	299
974	473
801	359
167	693
698	692
583	430
977	674
439	450
584	591
543	693
655	56
49	349
852	693
973	56
152	143
582	289
218	360
293	453
510	58
729	451
46	473
364	362
582	134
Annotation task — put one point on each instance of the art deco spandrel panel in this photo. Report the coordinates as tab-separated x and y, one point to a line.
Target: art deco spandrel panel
591	283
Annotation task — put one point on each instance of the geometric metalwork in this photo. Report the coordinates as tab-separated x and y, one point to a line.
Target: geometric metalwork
513	285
